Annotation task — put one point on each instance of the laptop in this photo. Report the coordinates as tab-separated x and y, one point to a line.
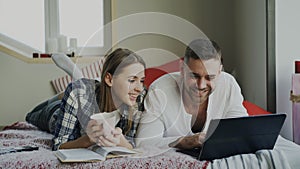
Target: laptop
242	135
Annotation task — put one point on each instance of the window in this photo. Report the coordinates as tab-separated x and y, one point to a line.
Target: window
81	25
20	26
46	26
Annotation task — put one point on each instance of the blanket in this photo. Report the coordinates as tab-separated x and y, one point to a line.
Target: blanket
270	159
22	133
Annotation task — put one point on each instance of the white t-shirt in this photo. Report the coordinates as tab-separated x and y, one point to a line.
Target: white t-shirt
165	118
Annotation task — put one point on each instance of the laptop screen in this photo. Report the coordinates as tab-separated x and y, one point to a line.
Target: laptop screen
227	137
231	136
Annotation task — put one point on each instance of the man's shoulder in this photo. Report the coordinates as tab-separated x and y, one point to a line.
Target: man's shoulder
226	77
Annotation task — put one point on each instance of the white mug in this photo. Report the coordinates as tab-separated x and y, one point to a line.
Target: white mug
107	120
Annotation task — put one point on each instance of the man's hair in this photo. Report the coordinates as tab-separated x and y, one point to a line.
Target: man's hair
203	49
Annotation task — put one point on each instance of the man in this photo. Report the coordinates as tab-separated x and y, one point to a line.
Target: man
179	106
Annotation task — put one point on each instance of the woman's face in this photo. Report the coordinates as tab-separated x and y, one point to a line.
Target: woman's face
128	84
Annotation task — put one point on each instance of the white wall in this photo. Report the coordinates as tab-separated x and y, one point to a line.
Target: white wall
250	53
216	21
24	85
250	49
287	51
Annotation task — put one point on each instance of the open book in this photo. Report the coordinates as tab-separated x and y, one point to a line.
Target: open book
92	154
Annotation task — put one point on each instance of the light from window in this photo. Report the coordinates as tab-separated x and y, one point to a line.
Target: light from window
81	20
24	21
36	25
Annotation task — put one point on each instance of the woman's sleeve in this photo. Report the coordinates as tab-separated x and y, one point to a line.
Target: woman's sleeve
76	104
67	125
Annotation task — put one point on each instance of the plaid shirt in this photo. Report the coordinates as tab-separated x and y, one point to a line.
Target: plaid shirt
123	123
78	104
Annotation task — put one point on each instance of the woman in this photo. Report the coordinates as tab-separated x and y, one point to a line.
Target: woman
122	81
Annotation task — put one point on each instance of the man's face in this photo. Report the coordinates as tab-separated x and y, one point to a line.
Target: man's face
199	78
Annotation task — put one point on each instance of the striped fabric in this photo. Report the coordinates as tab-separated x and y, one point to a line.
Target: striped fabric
91	71
262	159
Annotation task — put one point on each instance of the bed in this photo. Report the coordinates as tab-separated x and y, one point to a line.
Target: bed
23	133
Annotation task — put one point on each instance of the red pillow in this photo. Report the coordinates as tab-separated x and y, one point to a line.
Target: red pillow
155	72
253	109
152	74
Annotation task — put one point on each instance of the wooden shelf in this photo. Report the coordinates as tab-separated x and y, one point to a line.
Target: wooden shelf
77	59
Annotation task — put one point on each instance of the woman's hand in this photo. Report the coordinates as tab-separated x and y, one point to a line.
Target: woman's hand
94	130
96	135
111	140
116	139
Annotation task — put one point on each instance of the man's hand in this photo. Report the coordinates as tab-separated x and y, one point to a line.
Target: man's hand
189	142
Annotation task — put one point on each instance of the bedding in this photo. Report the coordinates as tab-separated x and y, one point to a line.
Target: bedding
22	133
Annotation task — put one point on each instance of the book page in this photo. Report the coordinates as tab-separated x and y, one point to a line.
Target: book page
119	151
78	155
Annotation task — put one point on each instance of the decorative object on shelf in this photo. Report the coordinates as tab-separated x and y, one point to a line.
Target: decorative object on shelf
295	98
297	66
52	45
45	55
41	55
62	44
35	55
72	49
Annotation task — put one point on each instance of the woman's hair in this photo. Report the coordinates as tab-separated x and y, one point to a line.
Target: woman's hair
114	64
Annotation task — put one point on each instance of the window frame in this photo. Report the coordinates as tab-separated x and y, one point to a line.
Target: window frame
52	29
